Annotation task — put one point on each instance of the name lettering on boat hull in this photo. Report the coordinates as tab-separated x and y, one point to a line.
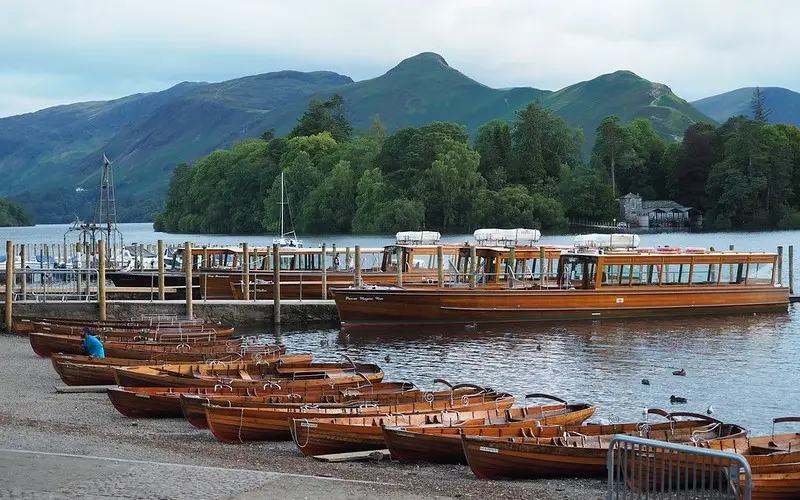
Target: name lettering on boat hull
364	299
489	450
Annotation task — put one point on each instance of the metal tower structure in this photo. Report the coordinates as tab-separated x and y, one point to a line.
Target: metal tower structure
105	216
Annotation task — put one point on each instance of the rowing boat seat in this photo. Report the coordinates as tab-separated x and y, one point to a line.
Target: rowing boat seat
244	375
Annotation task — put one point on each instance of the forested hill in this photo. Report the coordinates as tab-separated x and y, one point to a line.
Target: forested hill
783	104
51	160
12	214
526	172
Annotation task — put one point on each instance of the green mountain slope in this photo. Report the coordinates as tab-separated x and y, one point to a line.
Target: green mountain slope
627	96
784	104
49	156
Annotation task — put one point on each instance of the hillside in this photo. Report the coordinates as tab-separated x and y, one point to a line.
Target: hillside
784	104
13	215
51	159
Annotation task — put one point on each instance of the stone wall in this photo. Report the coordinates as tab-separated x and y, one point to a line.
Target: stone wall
233	313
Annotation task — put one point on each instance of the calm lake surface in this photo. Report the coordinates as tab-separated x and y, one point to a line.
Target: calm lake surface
746	367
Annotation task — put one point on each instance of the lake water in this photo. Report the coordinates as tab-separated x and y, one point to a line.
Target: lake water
746	367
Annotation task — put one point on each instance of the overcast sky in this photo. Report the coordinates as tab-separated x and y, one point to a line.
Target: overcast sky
57	52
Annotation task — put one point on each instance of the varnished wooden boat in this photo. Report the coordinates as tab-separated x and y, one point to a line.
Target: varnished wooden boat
23	325
243	374
44	344
209	331
187	353
194	406
268	423
442	443
774	461
572	456
321	436
590	284
155	402
79	369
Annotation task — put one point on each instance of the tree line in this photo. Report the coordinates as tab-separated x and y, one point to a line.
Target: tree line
12	214
528	172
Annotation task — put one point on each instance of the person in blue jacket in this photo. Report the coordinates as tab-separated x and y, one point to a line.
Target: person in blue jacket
92	344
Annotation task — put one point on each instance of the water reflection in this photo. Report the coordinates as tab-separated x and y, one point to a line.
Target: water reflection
743	366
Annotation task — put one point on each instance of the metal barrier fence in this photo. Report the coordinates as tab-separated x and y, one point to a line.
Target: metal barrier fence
641	468
59	285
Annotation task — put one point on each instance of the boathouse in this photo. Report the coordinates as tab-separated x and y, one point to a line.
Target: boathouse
653	213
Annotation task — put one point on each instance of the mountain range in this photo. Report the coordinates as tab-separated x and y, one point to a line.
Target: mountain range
783	104
51	160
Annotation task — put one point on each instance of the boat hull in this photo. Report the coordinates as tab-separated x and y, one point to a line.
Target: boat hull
142	405
445	446
371	307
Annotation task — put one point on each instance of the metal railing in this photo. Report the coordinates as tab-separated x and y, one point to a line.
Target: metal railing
56	285
641	468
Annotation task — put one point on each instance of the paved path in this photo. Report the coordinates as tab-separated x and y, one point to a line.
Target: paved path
31	474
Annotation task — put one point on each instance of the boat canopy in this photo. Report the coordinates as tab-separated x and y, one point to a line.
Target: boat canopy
418	237
507	237
606	241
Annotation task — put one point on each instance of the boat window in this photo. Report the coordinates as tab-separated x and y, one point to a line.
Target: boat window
731	273
675	274
645	274
611	274
705	274
759	273
573	270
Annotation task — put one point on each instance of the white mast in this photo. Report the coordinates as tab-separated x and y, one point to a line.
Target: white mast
282	233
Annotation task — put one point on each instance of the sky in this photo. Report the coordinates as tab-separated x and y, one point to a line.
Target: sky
58	52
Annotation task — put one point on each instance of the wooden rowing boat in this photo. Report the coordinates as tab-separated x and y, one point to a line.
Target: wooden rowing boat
269	423
44	344
576	455
194	406
155	402
322	436
442	443
186	353
241	374
78	369
774	461
23	325
176	332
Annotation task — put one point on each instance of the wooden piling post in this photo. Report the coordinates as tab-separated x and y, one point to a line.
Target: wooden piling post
161	292
357	268
101	279
324	267
510	267
246	270
473	279
542	269
188	262
9	285
22	264
400	265
276	284
204	275
440	265
791	269
780	265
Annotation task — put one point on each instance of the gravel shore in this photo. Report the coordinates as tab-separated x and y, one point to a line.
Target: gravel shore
169	458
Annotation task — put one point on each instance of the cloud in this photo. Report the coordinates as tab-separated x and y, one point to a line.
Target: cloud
98	49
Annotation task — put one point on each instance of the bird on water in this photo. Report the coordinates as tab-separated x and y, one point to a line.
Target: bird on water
677	399
680	373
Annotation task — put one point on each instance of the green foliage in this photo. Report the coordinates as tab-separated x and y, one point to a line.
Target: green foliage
324	116
12	214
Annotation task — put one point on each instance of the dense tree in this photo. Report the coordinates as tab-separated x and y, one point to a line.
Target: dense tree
540	144
493	143
613	146
324	116
12	214
758	106
698	152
